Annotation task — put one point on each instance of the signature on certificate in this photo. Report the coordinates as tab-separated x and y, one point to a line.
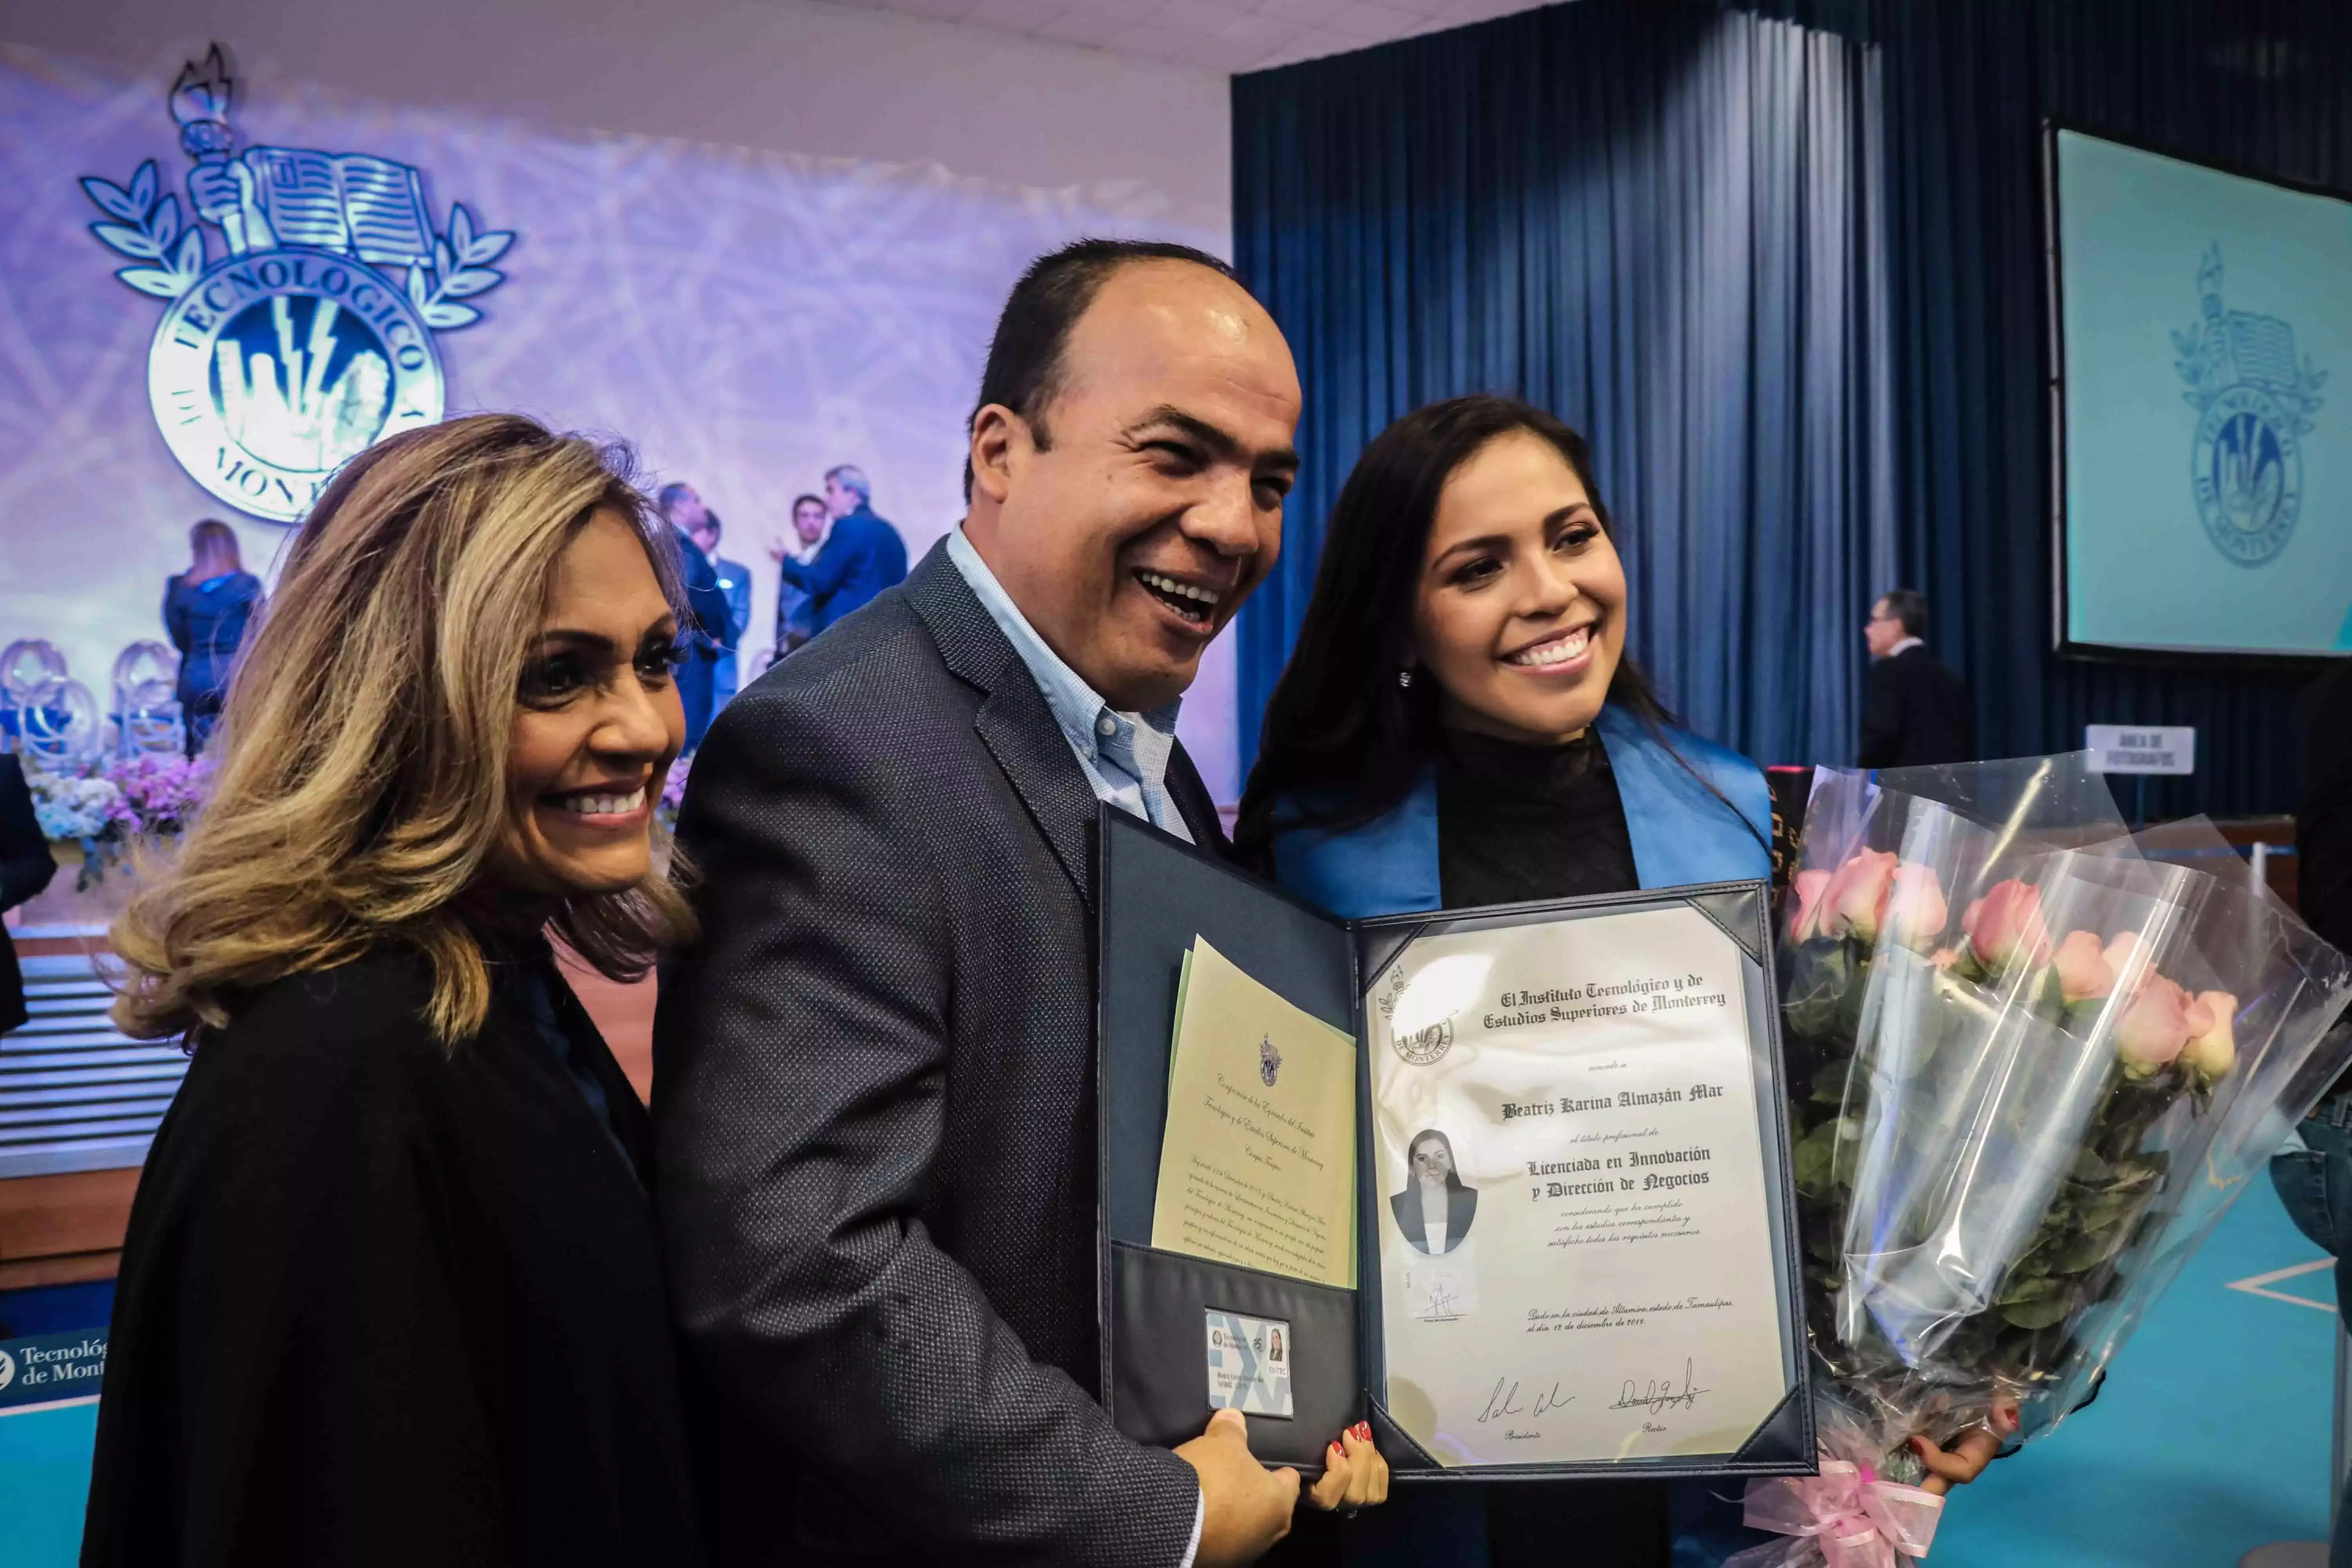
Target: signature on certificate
1660	1396
1508	1400
1442	1300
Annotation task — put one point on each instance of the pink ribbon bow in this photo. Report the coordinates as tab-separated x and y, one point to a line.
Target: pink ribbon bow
1845	1518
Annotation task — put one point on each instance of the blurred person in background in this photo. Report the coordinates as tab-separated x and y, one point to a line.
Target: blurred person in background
206	609
735	583
861	556
2315	1180
811	522
1917	709
706	628
391	1293
26	868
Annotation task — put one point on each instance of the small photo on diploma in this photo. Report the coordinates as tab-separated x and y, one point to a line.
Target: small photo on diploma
1435	1211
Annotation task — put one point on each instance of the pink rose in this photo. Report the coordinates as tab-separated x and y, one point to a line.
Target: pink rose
2155	1025
1857	895
2005	927
1915	912
2083	972
2212	1048
2123	952
1806	924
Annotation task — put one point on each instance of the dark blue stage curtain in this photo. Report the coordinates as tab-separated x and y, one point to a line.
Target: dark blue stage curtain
1969	83
1782	260
1657	220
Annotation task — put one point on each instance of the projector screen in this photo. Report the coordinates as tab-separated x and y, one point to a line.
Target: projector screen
2203	324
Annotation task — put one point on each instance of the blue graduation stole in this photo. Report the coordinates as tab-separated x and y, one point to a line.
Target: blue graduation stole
1681	832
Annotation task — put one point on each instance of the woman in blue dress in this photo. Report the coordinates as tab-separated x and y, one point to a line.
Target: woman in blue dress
206	609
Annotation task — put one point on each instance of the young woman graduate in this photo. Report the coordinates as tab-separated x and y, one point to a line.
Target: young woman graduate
1460	725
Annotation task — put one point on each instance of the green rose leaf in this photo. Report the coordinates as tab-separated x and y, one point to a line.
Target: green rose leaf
1815	1158
2022	1289
2040	1313
2091	1249
2112	1207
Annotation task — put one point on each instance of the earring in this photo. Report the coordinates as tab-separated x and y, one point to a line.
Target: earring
1405	678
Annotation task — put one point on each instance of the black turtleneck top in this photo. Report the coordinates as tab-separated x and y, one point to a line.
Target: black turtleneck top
1517	822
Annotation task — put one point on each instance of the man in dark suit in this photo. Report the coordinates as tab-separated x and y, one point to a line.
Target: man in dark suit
2315	1182
734	582
714	629
862	555
1918	710
876	1111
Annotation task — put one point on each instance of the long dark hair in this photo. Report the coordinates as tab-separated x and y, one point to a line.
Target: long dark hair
1342	740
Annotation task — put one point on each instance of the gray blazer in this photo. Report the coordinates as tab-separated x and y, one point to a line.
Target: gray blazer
875	1113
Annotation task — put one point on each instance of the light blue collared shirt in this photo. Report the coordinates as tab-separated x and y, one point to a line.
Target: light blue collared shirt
1124	755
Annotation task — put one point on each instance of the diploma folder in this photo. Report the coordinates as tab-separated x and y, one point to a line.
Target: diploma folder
1155	895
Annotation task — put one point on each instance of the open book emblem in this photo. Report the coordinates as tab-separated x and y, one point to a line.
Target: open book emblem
1269	1060
310	334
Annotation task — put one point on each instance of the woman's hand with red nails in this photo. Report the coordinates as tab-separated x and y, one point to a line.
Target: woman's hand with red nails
1970	1452
1354	1473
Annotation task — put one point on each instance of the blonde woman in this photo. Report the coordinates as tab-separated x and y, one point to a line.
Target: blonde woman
391	1293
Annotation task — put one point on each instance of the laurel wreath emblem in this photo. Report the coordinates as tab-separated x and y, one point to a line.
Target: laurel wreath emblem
148	229
169	252
461	267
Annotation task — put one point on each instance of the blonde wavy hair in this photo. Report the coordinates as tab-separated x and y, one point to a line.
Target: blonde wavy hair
359	778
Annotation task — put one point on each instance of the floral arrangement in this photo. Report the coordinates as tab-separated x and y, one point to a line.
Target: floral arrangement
102	807
2012	1128
73	807
160	795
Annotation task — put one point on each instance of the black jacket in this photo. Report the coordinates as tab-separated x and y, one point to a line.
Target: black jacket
876	1112
2323	826
381	1304
714	629
26	868
1412	1220
1918	712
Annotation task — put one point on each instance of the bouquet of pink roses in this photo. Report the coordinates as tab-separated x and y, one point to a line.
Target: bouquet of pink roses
2033	1058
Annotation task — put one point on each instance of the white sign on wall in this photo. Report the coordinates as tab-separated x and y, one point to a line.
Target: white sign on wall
2138	749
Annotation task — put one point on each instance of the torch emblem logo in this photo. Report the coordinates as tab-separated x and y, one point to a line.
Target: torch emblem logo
310	333
2254	401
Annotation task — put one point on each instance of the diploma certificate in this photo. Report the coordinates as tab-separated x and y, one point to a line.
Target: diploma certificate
1575	1256
1511	1184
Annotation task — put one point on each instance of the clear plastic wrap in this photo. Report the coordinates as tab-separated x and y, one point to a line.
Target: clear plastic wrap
2033	1058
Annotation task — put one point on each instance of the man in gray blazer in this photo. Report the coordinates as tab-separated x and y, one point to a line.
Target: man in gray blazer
875	1114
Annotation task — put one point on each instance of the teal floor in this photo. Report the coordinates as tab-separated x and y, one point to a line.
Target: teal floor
2210	1440
43	1478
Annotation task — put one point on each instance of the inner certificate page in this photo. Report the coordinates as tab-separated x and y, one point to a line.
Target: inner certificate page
1575	1239
1257	1166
